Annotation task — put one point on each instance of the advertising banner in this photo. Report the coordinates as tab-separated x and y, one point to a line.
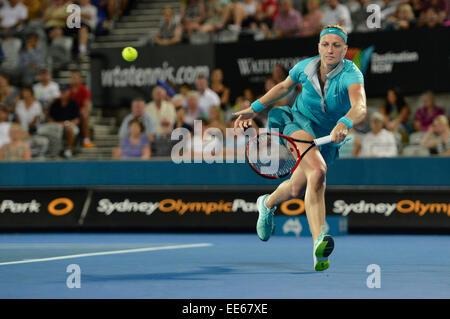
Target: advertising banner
382	210
163	210
414	60
33	209
115	82
234	210
229	210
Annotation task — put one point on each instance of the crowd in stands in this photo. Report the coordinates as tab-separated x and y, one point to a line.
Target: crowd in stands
38	38
35	33
390	128
296	18
40	118
49	116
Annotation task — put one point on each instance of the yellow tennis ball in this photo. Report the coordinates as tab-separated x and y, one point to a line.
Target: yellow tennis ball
129	54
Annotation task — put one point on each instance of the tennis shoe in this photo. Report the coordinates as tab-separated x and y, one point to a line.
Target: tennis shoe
323	247
265	225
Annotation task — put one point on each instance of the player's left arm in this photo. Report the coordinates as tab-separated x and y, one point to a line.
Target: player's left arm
356	114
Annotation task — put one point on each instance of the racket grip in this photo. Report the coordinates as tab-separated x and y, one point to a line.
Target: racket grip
323	140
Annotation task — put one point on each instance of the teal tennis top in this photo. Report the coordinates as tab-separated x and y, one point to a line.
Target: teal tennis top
324	110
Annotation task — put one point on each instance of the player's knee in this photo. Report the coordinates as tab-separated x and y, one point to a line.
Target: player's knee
317	177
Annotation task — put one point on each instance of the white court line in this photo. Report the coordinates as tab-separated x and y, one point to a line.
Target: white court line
113	252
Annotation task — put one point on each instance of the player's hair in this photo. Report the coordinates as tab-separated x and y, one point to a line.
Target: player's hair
335	26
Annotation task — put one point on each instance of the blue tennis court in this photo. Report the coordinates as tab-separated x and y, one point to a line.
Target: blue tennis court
220	266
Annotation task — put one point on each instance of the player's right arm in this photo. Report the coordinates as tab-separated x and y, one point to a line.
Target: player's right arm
274	94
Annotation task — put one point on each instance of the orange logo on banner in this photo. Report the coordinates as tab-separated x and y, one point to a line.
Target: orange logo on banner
299	205
68	206
407	206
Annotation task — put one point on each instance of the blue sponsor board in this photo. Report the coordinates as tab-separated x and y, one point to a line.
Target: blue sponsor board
298	226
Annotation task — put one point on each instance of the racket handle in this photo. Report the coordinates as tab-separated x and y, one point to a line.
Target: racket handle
323	140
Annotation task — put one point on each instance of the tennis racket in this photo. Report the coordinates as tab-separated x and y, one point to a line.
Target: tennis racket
274	155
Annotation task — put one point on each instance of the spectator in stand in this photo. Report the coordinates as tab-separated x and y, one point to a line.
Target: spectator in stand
288	21
160	109
80	93
242	13
427	113
30	60
28	111
110	10
66	113
46	91
207	97
9	95
437	138
395	111
178	100
417	6
337	13
441	9
169	31
138	111
55	19
5	124
16	149
135	145
219	88
162	146
402	19
216	119
214	12
180	121
430	19
269	84
193	110
192	15
312	20
379	142
13	16
185	88
279	73
266	11
89	21
34	9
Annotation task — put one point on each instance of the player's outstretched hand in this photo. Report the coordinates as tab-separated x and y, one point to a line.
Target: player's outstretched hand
244	119
339	133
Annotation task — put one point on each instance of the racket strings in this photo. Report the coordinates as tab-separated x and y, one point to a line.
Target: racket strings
272	155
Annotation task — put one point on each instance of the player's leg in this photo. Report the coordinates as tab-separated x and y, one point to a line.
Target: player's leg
284	190
314	168
267	203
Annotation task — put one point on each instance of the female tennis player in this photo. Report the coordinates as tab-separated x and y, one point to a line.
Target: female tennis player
331	101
